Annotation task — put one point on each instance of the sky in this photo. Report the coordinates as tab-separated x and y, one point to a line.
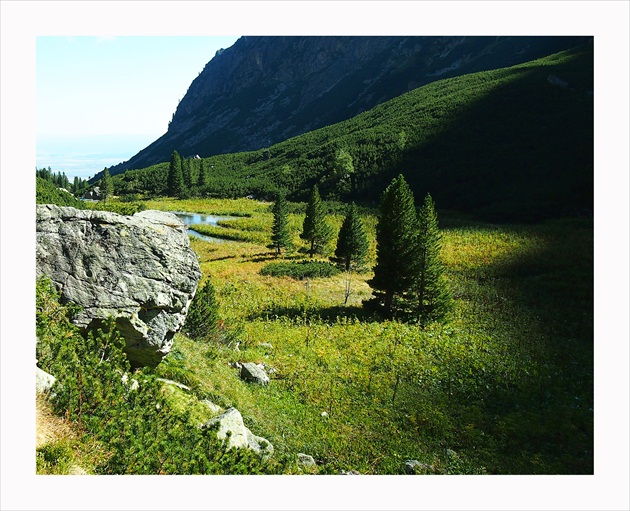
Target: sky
100	100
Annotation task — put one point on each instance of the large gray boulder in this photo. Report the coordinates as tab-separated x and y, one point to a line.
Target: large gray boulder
139	269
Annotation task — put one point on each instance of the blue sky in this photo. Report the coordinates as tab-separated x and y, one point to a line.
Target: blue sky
100	100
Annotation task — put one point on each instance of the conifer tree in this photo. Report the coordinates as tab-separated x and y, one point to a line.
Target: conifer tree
187	173
432	294
315	229
203	315
352	241
280	235
396	243
106	185
202	181
175	176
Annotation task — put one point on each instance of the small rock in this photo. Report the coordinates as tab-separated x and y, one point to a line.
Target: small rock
43	380
324	414
415	467
213	408
305	460
254	373
240	436
350	473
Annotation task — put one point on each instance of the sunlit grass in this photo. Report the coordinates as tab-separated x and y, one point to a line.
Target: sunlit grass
391	391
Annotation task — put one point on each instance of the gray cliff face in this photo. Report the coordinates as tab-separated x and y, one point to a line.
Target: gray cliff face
263	90
139	269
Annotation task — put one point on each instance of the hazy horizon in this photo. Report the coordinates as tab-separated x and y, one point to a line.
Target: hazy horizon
101	100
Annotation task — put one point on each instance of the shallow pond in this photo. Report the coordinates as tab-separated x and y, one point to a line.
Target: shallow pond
199	218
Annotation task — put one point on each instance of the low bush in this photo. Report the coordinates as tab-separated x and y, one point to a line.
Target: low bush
300	270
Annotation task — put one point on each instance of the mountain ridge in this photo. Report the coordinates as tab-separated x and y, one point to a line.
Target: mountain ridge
263	90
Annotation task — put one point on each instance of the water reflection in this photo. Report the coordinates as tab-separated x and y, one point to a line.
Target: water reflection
198	218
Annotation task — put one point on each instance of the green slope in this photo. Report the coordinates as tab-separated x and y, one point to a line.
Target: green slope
505	144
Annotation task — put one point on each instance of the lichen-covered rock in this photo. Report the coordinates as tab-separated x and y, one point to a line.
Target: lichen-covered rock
239	435
254	373
139	269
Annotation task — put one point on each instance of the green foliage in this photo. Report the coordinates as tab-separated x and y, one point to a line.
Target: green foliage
203	315
344	172
280	234
126	412
48	193
432	293
352	241
106	185
122	207
54	458
396	257
176	185
315	230
300	270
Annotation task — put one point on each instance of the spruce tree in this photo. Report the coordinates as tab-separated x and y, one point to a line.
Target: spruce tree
203	315
315	229
432	294
106	185
175	176
187	173
280	235
202	181
396	243
352	241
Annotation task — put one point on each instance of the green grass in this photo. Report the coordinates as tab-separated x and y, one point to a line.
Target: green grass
506	383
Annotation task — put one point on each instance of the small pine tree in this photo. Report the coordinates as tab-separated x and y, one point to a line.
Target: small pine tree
352	242
432	293
175	176
396	242
280	235
106	185
315	229
203	315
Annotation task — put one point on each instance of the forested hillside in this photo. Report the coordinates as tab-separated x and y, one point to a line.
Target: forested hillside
508	144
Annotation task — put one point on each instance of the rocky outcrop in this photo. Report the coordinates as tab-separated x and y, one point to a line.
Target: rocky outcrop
139	269
240	436
263	90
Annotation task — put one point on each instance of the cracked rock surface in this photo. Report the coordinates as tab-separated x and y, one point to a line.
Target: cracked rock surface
139	269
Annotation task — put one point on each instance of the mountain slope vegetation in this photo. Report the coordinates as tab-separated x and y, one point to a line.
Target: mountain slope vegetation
508	144
263	90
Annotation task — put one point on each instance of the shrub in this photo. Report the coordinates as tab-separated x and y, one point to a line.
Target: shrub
300	270
203	316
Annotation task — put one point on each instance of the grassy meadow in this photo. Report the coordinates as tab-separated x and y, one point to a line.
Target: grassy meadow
505	386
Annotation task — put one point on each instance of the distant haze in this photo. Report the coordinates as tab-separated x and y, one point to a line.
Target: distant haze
86	156
100	100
